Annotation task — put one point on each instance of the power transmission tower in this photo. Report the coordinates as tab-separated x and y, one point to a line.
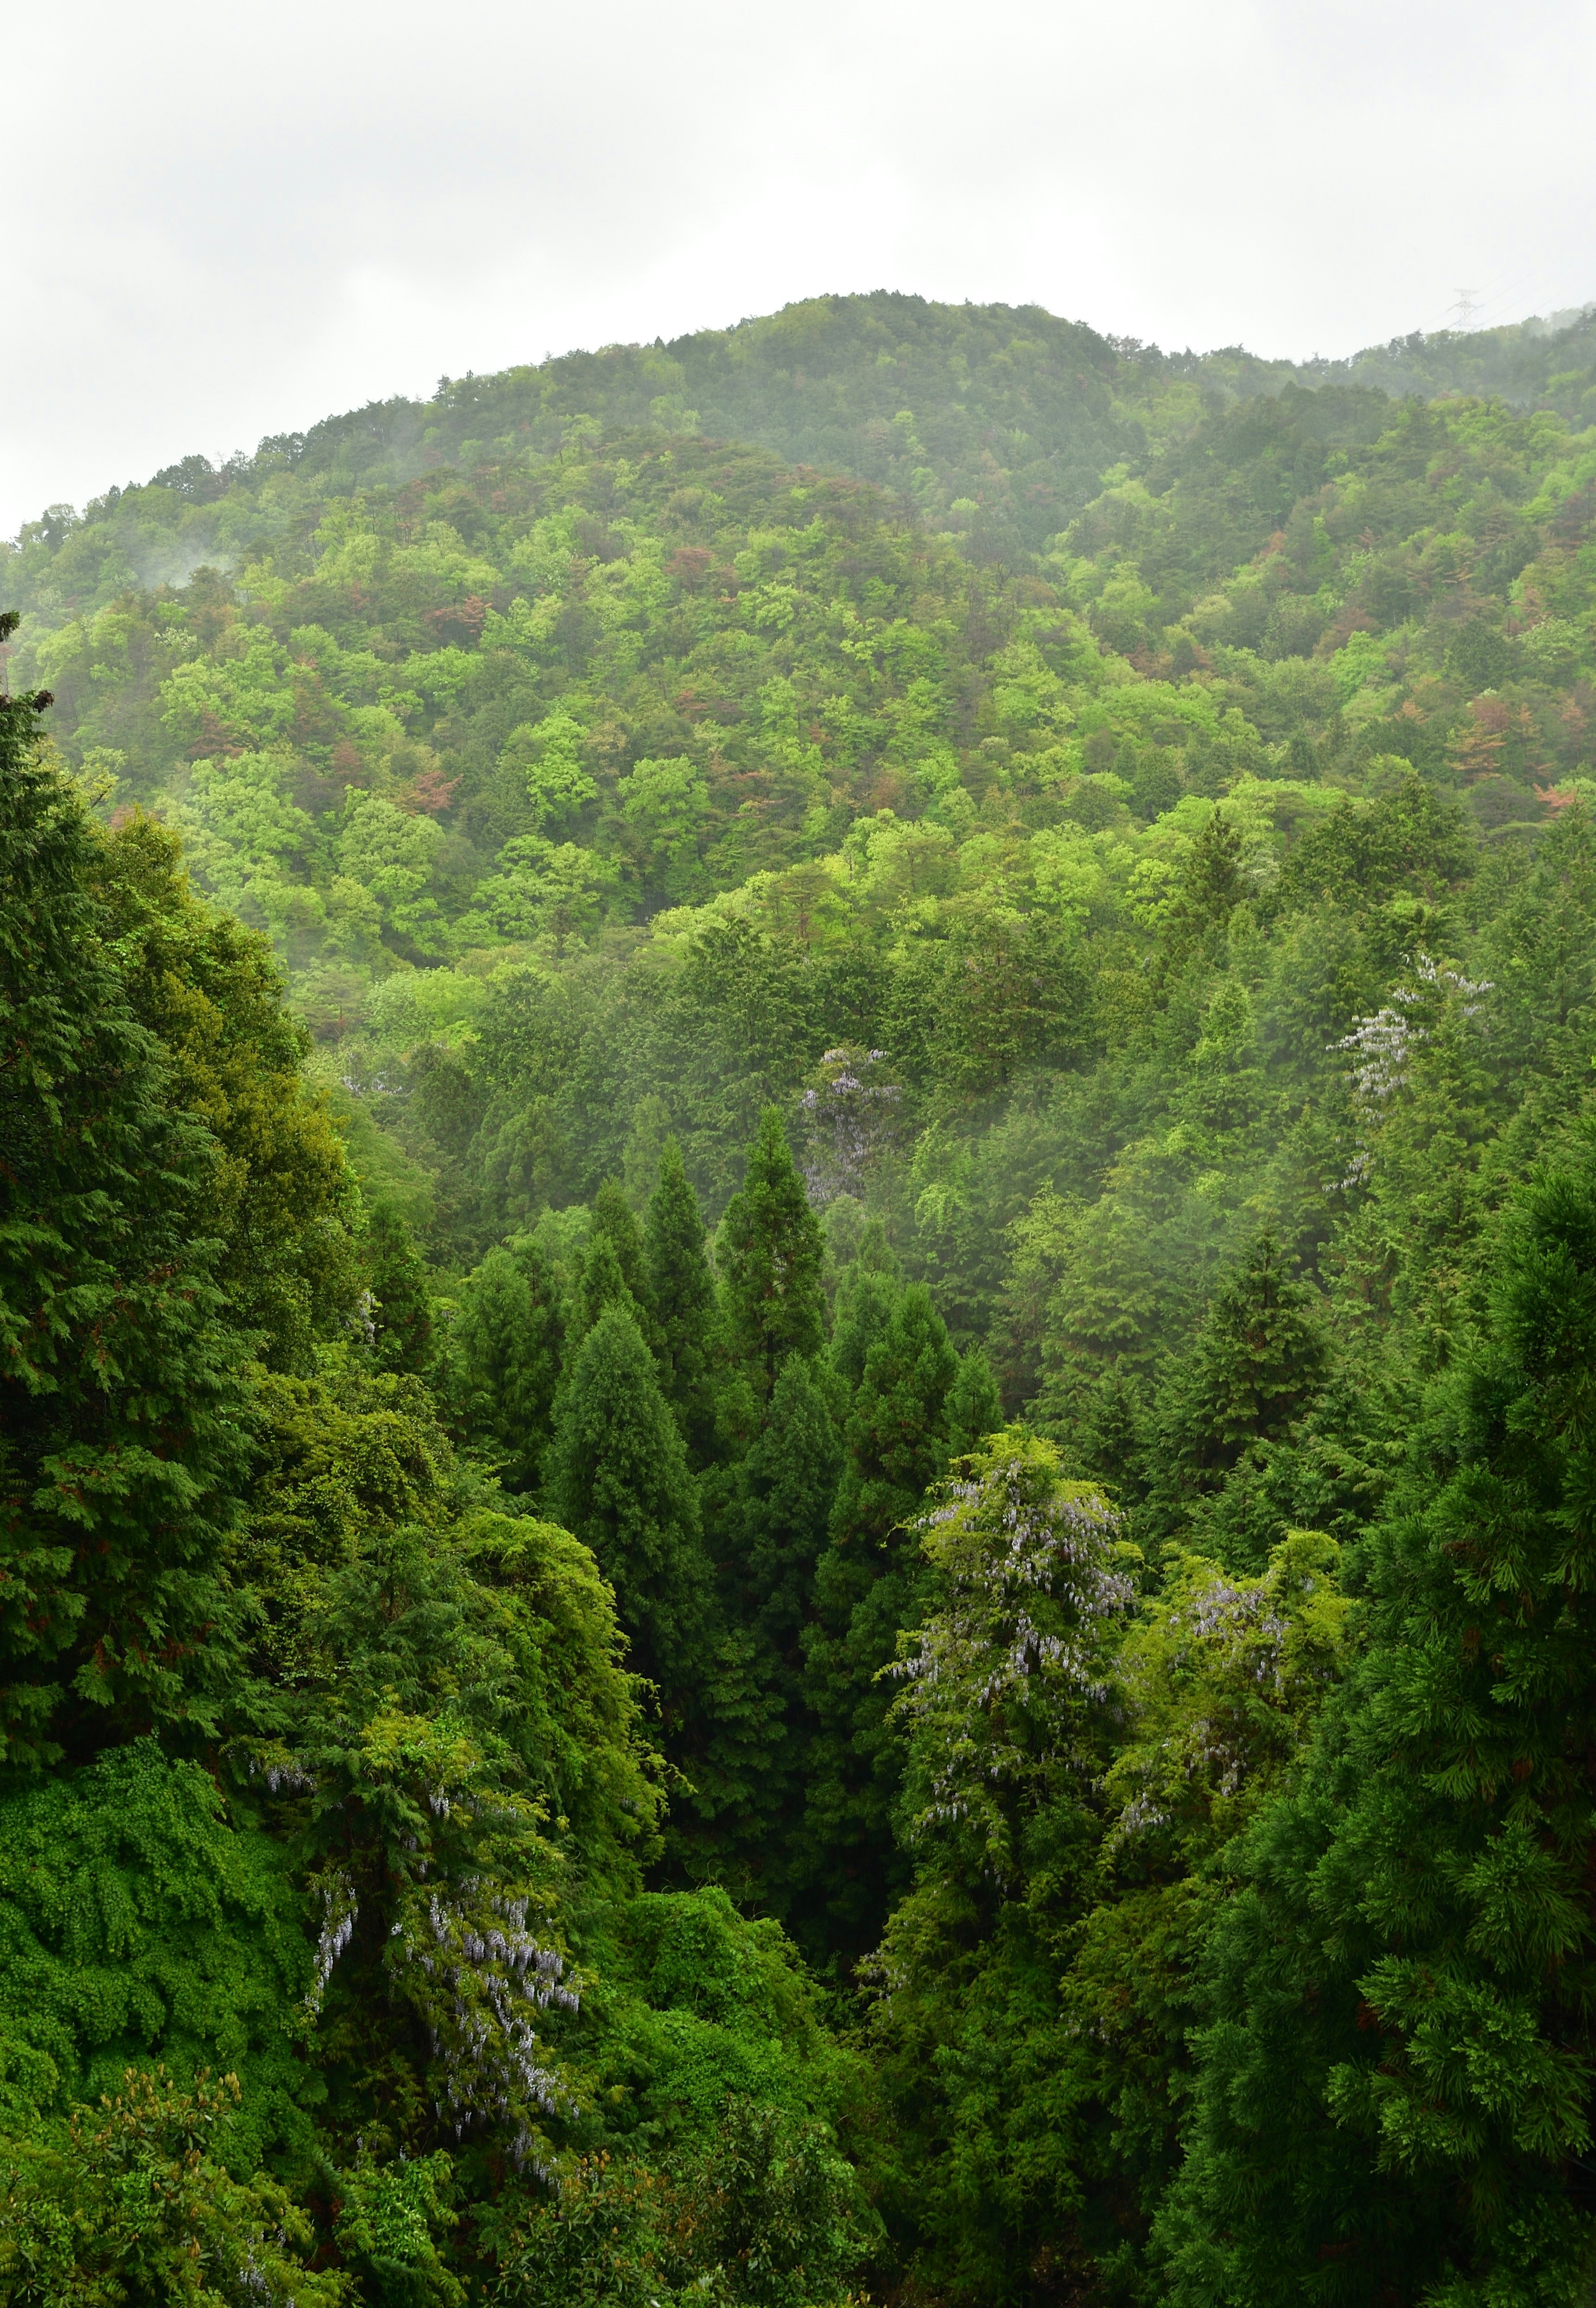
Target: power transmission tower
1467	307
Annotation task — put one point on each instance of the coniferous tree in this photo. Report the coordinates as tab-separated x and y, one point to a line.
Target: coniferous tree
772	1258
119	1433
401	1308
510	1344
1396	2077
603	1285
870	1287
867	1582
974	1407
1259	1355
619	1479
681	1290
613	1219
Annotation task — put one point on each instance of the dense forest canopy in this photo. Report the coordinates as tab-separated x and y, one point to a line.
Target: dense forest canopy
799	1291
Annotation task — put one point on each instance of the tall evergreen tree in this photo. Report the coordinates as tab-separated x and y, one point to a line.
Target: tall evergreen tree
619	1479
867	1584
1396	2079
681	1290
1258	1359
772	1255
119	1433
510	1338
603	1285
613	1218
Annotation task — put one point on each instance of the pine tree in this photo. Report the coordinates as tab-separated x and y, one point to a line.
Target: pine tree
681	1290
510	1344
771	1259
401	1308
603	1286
867	1582
1396	2078
612	1218
619	1479
1258	1359
120	1432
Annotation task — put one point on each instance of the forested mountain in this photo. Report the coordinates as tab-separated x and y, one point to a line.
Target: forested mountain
797	1276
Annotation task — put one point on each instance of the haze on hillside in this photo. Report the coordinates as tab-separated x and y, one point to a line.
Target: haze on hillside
243	232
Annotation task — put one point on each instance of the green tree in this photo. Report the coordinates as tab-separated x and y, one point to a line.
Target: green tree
119	1442
1394	2080
613	1219
401	1314
867	1587
771	1257
510	1348
603	1286
618	1478
682	1290
974	1407
1258	1357
280	1194
138	2202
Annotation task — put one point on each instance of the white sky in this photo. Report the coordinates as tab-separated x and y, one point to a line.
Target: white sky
224	220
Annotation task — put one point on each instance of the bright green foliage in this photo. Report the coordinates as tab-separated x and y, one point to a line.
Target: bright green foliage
682	1292
1000	1694
618	1478
138	1921
136	2205
510	1349
118	1450
771	1257
389	2219
469	1721
1406	2095
396	1275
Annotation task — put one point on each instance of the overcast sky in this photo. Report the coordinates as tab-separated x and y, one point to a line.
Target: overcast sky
225	221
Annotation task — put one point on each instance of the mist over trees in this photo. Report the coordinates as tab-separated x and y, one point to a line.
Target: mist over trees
798	1281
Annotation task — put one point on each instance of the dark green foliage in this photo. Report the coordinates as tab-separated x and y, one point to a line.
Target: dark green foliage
618	1478
1254	1365
119	1394
1409	2100
682	1293
401	1315
867	1586
770	1259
